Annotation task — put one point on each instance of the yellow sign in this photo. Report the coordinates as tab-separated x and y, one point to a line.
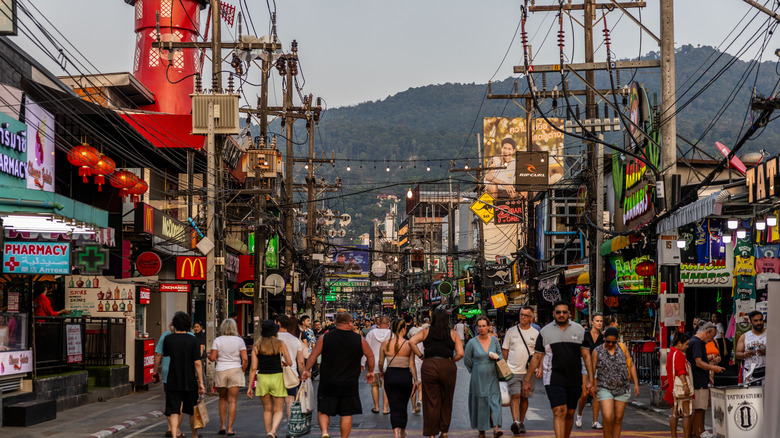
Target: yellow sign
483	207
499	300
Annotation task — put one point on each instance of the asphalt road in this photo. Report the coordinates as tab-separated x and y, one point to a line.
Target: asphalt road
249	421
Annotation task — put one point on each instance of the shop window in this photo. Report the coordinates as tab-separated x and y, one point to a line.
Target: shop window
13	331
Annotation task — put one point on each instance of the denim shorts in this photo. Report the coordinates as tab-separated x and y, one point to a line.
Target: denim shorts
606	394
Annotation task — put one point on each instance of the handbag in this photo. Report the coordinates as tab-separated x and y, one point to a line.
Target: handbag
290	379
299	423
200	415
530	356
678	390
505	397
628	358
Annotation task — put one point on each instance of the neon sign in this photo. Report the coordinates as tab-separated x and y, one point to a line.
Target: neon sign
637	204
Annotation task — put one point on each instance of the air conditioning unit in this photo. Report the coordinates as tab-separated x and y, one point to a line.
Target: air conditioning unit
225	113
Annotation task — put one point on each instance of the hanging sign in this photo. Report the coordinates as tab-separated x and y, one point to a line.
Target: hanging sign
509	211
762	180
483	207
532	170
144	295
190	268
36	258
497	275
73	336
153	221
148	264
90	259
499	300
40	153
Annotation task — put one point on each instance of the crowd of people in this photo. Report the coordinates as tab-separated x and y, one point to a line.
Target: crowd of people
413	363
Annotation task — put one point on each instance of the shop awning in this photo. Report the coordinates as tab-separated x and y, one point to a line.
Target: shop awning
617	243
692	212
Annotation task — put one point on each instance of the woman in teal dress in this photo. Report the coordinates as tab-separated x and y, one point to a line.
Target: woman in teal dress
484	395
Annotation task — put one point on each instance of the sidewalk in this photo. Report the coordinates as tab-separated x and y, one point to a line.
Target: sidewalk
643	402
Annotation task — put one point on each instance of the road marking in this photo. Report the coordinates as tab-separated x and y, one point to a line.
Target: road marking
653	417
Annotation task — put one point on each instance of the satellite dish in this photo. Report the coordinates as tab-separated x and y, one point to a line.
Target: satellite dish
275	282
332	232
342	232
345	220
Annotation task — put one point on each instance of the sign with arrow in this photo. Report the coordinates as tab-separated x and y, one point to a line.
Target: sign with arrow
483	207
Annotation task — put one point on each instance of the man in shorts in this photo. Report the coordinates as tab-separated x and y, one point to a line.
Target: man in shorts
700	367
519	341
559	348
374	338
341	351
184	382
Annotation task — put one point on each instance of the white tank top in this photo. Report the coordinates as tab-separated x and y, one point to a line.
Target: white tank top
752	342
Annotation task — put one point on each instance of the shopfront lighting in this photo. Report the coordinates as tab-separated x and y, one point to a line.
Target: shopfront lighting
741	234
761	225
726	238
44	224
771	220
409	194
732	224
681	243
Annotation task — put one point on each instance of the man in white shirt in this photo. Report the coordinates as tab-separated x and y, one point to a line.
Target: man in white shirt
460	329
519	342
295	348
374	338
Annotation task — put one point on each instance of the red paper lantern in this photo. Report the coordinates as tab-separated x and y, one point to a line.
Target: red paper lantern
85	157
104	167
123	180
645	269
138	189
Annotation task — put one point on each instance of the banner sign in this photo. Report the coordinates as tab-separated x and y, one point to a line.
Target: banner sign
8	18
716	273
16	362
762	180
532	170
99	296
36	258
152	221
351	262
497	275
190	268
174	287
144	295
73	336
40	155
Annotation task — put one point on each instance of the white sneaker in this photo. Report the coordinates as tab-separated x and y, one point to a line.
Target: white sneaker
578	421
597	425
705	434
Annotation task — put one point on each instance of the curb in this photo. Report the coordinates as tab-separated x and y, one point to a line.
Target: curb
649	408
105	433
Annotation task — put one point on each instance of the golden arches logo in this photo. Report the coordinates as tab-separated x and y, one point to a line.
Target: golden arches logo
148	219
196	269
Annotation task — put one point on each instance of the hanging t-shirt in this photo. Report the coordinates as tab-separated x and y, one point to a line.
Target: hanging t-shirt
767	250
744	247
744	265
702	241
744	297
767	264
762	279
688	253
774	232
717	247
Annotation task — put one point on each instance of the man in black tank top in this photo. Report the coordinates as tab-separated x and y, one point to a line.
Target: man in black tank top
338	394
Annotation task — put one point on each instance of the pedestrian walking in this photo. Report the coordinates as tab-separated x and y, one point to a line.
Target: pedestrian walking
197	329
161	364
442	349
184	383
229	352
697	357
337	394
678	369
294	346
561	345
480	358
417	391
519	341
612	381
400	376
461	328
593	338
375	338
267	369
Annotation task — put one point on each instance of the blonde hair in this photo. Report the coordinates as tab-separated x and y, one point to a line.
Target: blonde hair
228	328
268	346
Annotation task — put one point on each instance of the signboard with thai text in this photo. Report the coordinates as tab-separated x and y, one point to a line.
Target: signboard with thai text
13	152
73	337
36	258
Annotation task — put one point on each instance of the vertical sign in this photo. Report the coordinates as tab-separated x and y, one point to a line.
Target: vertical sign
13	302
144	295
40	147
73	335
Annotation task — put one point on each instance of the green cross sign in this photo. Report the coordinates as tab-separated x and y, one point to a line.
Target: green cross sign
91	259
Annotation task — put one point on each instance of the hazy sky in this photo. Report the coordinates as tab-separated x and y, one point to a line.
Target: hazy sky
353	51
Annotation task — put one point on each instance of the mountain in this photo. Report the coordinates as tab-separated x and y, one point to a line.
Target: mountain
436	123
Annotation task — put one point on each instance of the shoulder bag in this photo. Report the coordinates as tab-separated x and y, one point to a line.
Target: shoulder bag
628	358
525	344
678	390
290	379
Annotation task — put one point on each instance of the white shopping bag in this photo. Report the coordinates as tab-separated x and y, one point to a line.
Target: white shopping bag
306	396
504	387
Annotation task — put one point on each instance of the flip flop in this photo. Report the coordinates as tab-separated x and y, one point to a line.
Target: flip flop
168	434
221	432
231	434
374	410
386	412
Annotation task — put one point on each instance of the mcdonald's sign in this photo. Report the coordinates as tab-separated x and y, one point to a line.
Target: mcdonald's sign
190	268
164	227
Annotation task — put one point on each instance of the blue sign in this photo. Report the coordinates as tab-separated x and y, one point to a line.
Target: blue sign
36	258
13	152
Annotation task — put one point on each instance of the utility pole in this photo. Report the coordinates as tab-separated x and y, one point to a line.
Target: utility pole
668	100
289	219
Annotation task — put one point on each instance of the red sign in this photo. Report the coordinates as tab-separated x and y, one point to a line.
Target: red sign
250	302
13	301
148	264
190	268
144	295
148	361
509	212
174	287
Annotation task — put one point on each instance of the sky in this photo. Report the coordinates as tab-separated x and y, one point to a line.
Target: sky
353	51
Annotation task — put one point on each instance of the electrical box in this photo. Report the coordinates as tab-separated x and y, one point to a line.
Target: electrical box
225	113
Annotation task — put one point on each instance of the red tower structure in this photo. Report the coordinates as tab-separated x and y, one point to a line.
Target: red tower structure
170	76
